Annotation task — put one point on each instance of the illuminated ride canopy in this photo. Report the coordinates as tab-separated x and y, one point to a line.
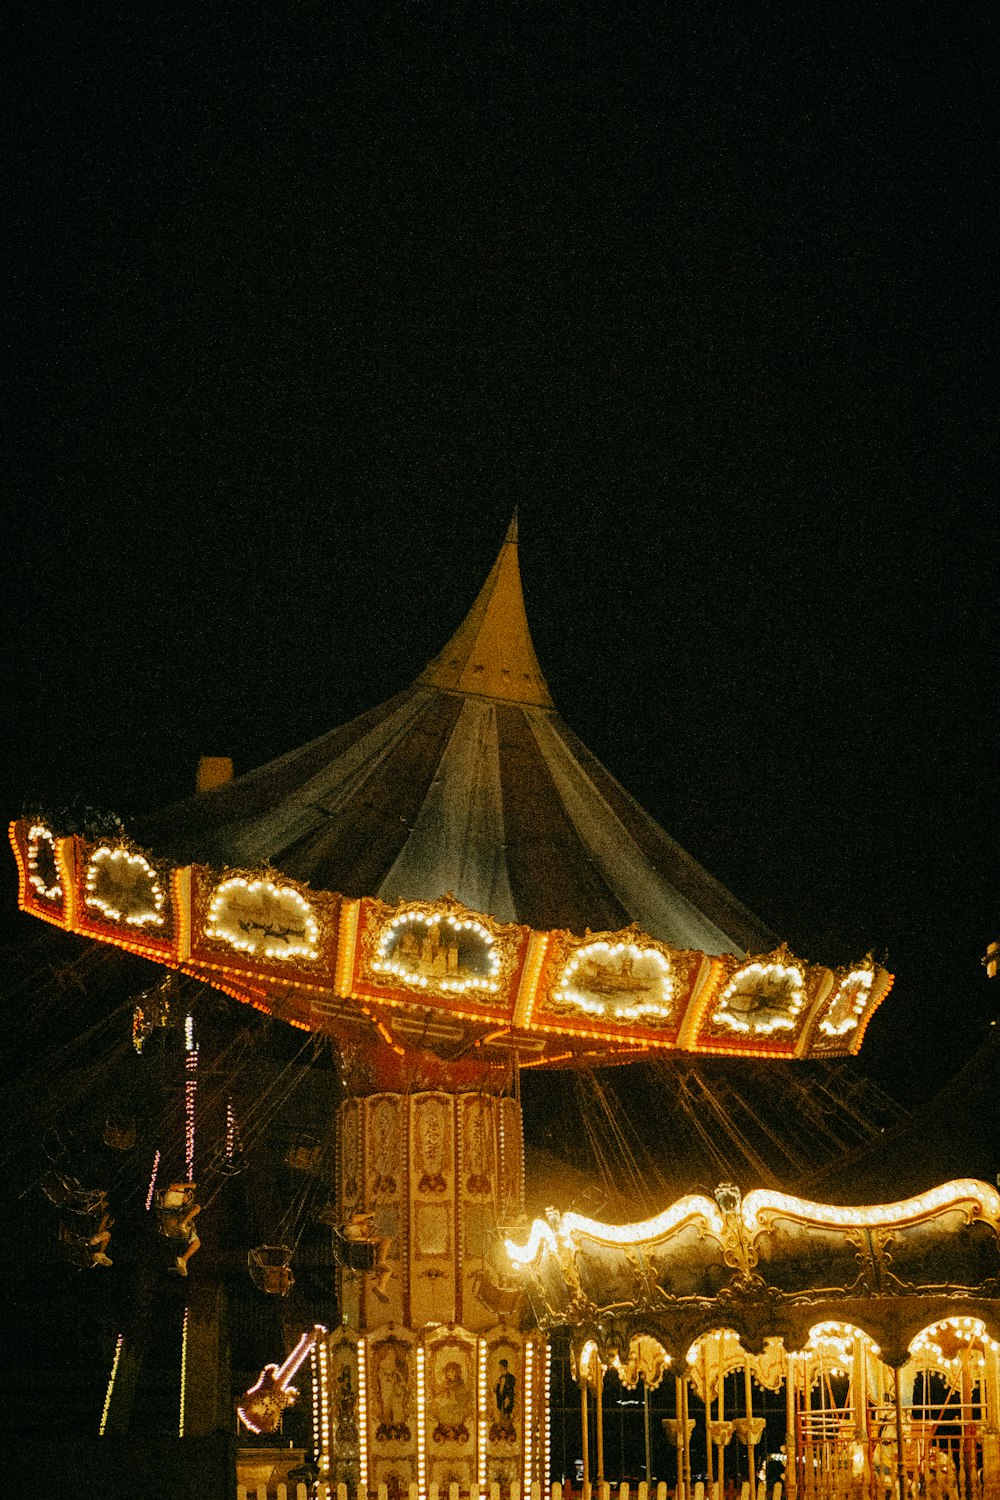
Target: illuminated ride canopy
767	1266
504	891
435	975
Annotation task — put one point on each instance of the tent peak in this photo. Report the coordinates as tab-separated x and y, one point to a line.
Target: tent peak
491	653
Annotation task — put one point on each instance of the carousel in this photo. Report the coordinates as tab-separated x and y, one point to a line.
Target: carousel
454	891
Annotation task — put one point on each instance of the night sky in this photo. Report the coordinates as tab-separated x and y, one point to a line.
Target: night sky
306	300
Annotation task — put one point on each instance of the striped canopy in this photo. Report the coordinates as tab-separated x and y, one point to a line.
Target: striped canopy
468	782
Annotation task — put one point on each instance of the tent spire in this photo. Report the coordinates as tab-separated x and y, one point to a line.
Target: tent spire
491	653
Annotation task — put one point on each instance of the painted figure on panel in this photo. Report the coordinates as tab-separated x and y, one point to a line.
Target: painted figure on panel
505	1395
392	1386
343	1406
451	1403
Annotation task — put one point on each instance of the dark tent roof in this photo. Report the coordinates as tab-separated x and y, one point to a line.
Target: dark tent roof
467	782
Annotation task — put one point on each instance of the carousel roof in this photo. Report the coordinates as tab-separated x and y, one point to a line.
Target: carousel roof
451	873
750	1264
467	782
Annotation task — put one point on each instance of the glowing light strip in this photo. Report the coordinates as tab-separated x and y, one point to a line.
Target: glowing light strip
527	990
570	996
541	1234
13	834
362	1416
787	974
306	947
323	1451
949	1194
884	984
181	887
184	1356
347	942
481	1407
111	1385
317	1437
66	856
688	1207
421	1425
152	1181
548	1419
383	964
36	834
973	1330
863	980
106	855
190	1096
529	1360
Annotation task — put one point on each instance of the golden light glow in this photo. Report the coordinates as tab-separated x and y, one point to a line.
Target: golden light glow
949	1344
547	1464
259	917
442	935
607	979
528	1429
111	1385
962	1192
761	998
694	1205
323	1360
184	1352
363	1416
527	992
848	1003
124	887
481	1383
421	1423
49	886
639	998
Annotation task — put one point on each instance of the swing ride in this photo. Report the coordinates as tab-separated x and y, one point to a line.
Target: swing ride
457	895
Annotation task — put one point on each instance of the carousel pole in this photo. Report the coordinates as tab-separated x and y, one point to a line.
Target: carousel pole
584	1423
808	1468
897	1395
679	1412
645	1431
600	1422
791	1456
721	1447
860	1391
991	1422
688	1487
967	1446
751	1445
706	1373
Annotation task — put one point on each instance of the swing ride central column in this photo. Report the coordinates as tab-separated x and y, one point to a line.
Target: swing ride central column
454	1391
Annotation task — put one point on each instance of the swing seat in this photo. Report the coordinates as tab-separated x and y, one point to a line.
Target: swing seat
270	1269
119	1133
305	1155
354	1255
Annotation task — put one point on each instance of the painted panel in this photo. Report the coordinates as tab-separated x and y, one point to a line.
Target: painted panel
433	1260
451	1408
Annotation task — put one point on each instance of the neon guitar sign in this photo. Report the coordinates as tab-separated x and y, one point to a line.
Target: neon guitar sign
260	1408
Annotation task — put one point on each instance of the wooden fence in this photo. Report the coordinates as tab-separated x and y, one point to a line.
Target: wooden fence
605	1491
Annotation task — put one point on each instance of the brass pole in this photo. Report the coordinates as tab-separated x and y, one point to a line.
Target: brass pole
706	1376
791	1457
600	1422
679	1413
900	1461
722	1412
584	1404
751	1445
688	1486
645	1431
